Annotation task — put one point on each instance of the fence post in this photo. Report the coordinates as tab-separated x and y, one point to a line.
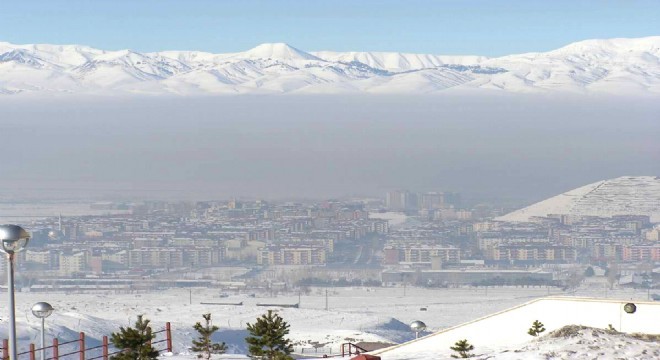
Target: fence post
105	348
5	349
168	333
81	344
32	352
56	349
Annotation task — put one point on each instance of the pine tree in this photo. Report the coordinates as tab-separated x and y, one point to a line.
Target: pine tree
589	272
536	329
463	348
267	338
203	345
135	342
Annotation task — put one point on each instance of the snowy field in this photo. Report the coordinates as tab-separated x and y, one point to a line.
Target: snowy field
353	315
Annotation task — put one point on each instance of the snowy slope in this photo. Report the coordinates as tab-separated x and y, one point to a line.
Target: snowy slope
627	195
569	342
398	61
509	328
579	342
616	66
612	66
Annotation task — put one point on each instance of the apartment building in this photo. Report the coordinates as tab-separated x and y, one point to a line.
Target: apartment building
174	257
72	263
395	254
553	253
641	252
292	255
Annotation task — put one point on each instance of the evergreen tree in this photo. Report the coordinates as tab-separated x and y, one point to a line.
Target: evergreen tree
589	272
536	329
463	348
135	342
203	345
267	338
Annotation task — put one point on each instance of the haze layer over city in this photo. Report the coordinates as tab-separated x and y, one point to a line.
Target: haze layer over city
516	149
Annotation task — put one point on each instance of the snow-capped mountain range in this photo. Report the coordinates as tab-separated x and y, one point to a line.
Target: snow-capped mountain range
615	66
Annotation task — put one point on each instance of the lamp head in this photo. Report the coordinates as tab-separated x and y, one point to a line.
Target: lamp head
42	310
417	326
13	238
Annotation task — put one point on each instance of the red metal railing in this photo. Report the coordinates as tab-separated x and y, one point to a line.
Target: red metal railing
351	349
82	350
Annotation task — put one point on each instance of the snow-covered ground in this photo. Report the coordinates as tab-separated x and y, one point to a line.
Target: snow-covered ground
508	328
625	195
353	315
576	342
570	342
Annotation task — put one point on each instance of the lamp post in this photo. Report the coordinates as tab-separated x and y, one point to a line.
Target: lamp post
42	310
13	239
417	326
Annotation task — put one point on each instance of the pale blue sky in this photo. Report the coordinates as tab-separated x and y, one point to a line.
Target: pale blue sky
479	27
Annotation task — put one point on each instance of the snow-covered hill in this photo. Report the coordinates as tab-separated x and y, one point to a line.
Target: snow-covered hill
581	342
626	195
616	66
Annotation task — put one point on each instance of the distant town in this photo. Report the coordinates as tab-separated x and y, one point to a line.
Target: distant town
419	239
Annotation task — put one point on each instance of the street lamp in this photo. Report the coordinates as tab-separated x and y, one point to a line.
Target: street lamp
42	310
13	239
417	326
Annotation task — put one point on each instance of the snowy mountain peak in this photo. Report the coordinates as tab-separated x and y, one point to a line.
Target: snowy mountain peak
629	67
22	57
279	51
650	43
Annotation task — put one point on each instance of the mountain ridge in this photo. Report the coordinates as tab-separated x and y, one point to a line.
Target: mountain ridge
611	66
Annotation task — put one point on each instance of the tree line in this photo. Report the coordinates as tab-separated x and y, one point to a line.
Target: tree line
267	339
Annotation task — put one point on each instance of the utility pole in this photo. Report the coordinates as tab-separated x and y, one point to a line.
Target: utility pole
190	296
326	299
